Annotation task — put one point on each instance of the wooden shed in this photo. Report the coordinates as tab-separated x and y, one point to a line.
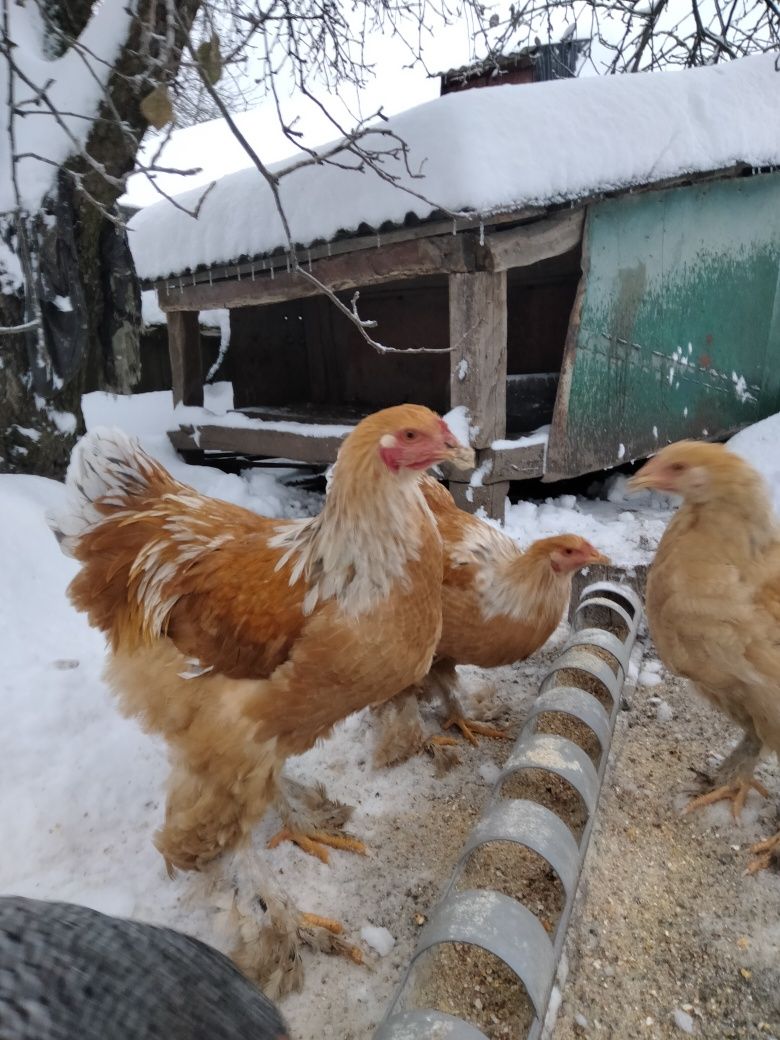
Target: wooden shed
582	331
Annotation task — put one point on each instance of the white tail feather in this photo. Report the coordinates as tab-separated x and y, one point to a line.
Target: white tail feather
107	465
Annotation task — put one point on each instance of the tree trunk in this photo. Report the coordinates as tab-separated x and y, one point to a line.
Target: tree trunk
79	277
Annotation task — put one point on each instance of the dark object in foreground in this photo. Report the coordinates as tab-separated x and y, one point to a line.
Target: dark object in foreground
69	973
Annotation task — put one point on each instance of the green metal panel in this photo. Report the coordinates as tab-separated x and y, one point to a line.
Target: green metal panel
679	326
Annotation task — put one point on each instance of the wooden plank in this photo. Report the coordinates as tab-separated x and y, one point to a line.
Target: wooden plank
184	350
554	466
261	442
490	497
680	306
531	243
478	319
370	266
522	463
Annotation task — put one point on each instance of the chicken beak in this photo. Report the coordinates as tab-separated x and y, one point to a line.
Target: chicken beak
643	478
460	456
598	557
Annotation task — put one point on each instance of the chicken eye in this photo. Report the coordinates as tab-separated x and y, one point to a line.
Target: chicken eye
678	467
568	551
410	435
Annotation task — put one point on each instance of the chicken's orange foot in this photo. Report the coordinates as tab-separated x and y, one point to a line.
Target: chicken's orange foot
312	924
316	843
736	792
764	851
469	727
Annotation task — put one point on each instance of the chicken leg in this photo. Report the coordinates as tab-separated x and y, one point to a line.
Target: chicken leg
736	776
444	679
309	818
271	931
401	734
764	851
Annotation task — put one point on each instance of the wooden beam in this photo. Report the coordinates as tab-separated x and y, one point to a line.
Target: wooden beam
318	451
490	497
428	229
531	243
479	351
370	266
522	463
557	466
184	350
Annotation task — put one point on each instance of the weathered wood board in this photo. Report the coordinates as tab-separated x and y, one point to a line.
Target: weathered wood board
677	331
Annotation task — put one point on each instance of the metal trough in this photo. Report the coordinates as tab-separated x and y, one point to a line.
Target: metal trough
491	920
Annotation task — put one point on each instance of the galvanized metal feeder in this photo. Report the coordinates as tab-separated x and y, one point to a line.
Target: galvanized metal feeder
489	919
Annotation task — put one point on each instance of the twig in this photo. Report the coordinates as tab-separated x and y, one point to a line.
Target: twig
14	330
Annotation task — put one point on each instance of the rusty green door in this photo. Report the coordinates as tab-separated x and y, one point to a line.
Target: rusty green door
676	331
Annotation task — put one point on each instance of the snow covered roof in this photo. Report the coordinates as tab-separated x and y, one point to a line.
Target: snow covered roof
488	152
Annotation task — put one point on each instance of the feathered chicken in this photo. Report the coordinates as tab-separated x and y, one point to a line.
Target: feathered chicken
713	602
243	640
69	973
499	605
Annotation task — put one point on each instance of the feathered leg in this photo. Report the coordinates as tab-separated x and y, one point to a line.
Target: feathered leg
735	777
400	733
309	818
205	818
269	931
443	678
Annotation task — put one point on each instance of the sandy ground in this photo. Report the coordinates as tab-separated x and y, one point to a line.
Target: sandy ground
669	936
415	835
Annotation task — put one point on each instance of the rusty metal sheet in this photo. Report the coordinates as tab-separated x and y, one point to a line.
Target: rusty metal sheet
676	331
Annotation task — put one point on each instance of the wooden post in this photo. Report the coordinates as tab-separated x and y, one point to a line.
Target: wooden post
478	363
184	349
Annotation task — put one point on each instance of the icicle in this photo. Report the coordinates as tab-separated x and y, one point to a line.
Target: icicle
272	272
193	277
181	285
211	281
263	263
252	269
454	226
238	272
378	241
308	254
481	233
287	260
328	244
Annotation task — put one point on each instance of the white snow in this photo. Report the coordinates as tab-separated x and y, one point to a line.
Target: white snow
663	711
458	420
625	527
683	1021
73	85
378	939
151	312
487	151
759	445
540	436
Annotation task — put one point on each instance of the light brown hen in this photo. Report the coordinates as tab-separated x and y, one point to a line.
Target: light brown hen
499	605
713	602
242	640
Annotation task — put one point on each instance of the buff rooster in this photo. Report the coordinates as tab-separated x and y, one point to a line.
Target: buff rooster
242	640
499	605
713	603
